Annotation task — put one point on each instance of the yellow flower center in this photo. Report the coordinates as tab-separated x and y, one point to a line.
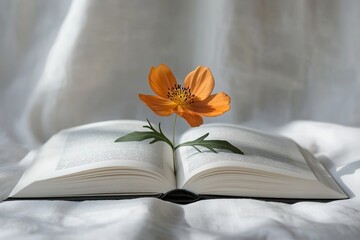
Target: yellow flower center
180	95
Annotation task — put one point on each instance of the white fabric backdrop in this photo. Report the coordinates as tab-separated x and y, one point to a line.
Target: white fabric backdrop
65	63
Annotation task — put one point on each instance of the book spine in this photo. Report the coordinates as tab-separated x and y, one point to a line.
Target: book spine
180	196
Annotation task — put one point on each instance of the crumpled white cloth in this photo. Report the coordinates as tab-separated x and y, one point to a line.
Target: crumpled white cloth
338	147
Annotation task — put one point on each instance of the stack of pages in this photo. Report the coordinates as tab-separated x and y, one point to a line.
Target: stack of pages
85	163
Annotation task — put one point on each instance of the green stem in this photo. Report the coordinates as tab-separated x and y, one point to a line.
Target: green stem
173	143
173	131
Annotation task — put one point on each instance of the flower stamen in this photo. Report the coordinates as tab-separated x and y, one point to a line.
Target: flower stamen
180	95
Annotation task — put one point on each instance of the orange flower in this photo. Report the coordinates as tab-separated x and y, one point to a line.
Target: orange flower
190	101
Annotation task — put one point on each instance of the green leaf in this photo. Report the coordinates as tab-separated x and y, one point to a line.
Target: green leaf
137	136
141	136
211	145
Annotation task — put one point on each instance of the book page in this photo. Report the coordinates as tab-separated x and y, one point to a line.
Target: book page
92	146
263	152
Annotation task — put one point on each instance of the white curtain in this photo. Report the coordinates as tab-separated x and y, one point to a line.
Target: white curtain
65	63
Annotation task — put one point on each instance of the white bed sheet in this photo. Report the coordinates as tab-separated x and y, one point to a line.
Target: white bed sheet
338	147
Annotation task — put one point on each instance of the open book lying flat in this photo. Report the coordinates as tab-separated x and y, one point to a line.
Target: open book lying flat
85	163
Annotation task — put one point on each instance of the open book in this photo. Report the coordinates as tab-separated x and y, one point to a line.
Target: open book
85	163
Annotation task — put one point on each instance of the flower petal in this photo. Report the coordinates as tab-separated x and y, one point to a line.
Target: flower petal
161	106
201	82
193	119
161	79
212	106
